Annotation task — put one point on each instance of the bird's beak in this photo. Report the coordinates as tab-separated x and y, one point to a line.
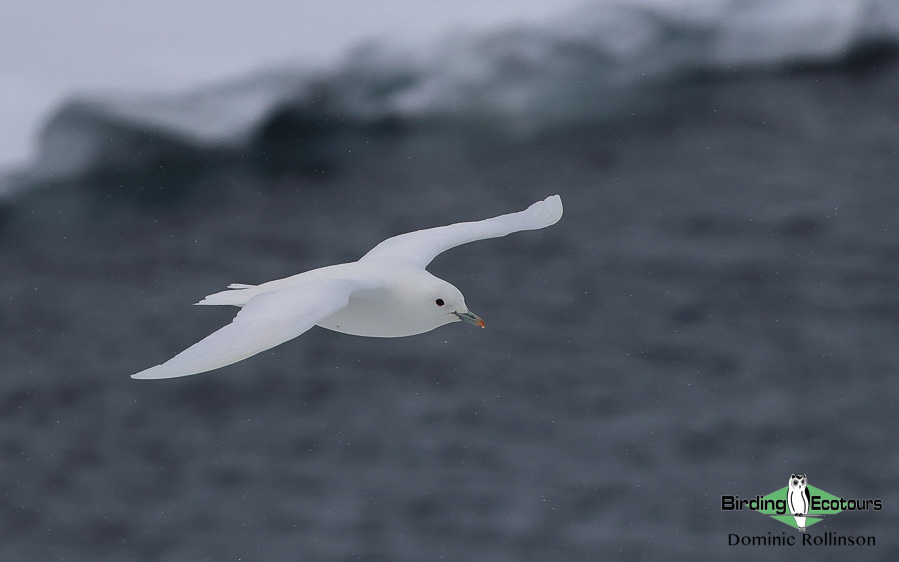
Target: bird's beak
471	318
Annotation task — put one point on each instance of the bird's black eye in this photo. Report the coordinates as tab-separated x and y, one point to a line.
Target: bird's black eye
439	302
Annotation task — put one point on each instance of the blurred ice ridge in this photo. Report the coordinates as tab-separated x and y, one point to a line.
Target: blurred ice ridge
602	60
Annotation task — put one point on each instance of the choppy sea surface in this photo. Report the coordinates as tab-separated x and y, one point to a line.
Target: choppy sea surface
716	310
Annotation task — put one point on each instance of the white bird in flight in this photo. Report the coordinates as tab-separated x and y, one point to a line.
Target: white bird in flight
386	294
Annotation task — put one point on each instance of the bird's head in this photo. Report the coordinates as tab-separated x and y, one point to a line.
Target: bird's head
443	303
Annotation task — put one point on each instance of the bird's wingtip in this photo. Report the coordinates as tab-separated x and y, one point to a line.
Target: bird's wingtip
549	211
555	202
150	374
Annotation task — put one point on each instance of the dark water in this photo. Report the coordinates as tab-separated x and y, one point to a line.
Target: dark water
716	310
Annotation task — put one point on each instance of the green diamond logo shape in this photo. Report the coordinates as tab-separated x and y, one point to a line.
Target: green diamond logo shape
818	498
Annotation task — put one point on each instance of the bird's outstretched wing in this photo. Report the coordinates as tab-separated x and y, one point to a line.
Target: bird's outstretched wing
265	321
422	246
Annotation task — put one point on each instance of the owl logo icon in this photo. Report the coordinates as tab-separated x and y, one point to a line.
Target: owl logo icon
798	499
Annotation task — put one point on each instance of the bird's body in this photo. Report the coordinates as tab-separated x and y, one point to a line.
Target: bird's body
379	307
392	314
387	293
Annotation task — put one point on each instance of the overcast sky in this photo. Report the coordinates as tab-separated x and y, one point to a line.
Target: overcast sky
52	49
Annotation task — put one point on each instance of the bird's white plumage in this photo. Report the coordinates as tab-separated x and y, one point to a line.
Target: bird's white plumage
387	293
